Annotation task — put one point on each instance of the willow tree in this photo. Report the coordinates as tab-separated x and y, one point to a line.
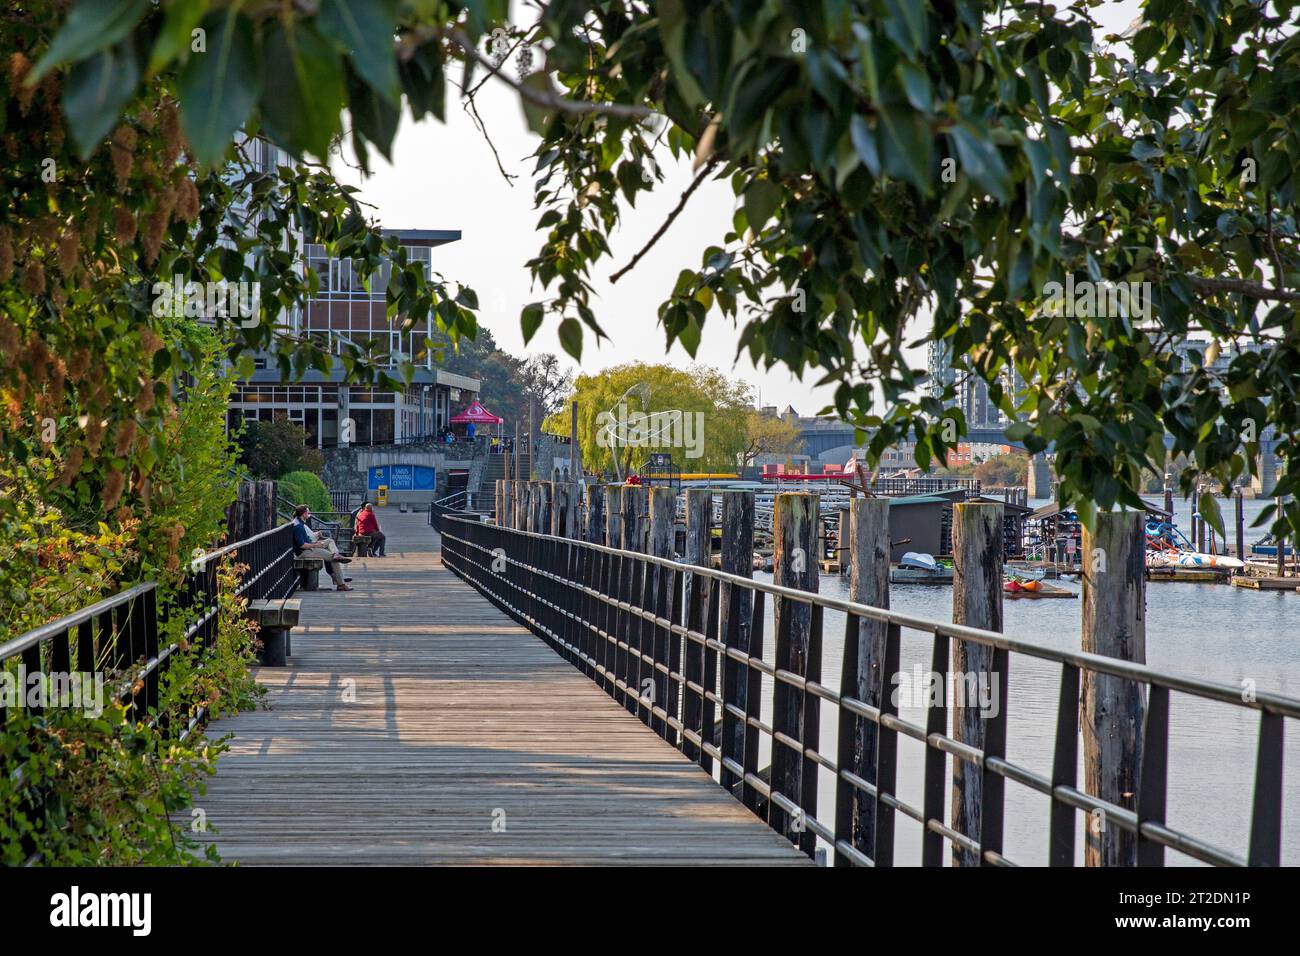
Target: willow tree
903	169
629	412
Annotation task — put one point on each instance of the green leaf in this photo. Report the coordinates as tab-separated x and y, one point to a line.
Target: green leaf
364	28
177	33
92	26
762	197
864	141
570	332
531	320
537	116
1208	506
304	83
218	88
96	92
907	142
1148	40
980	161
373	118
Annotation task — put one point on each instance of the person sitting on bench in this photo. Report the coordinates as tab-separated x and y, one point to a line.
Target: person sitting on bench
368	524
305	540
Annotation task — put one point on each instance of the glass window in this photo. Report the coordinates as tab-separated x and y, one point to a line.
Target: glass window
383	425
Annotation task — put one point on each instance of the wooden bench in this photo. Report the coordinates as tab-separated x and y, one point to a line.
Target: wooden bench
276	618
309	570
361	545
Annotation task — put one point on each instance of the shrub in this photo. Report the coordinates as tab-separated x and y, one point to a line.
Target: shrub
272	448
311	491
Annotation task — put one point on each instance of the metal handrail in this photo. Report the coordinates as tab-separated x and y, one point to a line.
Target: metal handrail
1113	666
608	634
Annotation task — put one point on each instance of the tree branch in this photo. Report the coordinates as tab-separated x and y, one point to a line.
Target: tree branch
1252	290
677	210
547	100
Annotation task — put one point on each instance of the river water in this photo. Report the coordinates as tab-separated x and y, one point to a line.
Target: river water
1211	631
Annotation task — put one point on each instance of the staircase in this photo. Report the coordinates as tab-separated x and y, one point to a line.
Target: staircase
495	469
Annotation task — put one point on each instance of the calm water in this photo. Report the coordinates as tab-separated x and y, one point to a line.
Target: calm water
1215	632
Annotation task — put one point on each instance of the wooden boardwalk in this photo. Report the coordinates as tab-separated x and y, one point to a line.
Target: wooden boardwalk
417	724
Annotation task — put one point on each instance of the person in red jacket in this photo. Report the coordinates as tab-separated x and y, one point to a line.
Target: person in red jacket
368	524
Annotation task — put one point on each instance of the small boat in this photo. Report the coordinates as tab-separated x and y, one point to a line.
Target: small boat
1177	558
918	561
917	567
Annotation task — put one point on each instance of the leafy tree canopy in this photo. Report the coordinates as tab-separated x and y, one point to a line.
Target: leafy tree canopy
891	161
629	412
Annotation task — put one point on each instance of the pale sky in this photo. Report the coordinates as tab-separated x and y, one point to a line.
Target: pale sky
444	177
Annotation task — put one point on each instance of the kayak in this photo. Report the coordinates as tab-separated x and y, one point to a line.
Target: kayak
1173	558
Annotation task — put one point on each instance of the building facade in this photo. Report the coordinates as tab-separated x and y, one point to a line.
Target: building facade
345	313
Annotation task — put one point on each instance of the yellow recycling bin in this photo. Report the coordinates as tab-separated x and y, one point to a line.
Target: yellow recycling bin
382	496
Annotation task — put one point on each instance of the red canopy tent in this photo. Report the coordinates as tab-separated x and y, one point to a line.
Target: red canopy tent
476	415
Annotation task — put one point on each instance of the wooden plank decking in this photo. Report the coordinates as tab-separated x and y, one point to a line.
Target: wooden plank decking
414	715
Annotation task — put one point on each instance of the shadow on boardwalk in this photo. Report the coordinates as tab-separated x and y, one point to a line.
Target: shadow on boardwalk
417	724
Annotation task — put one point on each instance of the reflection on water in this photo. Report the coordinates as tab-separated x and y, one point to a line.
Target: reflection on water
1215	632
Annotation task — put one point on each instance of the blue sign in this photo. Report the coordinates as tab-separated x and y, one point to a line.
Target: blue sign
402	478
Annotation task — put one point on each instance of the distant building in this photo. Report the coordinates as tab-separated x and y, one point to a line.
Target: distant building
345	313
972	397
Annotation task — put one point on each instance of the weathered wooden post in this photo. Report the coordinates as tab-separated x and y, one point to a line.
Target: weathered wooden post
594	526
697	712
614	516
561	509
1281	544
545	505
976	602
798	650
635	513
498	500
633	538
521	505
1114	709
735	609
866	536
1241	526
665	646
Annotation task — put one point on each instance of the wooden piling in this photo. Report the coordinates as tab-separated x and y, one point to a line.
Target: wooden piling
977	550
663	645
736	605
1280	540
1114	709
614	516
866	538
562	509
593	528
1241	525
795	527
697	713
634	590
634	518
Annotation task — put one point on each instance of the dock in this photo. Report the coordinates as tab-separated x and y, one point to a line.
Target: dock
1266	583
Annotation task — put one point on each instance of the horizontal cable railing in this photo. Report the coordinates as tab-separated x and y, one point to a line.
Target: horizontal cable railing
682	647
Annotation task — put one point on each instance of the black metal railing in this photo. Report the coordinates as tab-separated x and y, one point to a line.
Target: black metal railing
119	636
682	646
114	644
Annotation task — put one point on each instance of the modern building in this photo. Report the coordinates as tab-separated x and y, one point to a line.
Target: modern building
345	313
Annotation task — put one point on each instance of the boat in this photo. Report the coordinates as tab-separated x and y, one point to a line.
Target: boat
919	561
1167	547
918	567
